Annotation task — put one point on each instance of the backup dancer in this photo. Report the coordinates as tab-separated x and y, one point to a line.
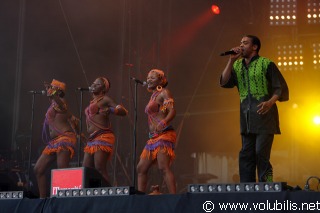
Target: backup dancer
162	137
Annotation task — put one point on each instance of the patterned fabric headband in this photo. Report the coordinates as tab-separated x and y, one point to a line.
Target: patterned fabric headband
59	84
106	83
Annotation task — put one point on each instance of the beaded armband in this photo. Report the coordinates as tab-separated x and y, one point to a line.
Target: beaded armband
115	110
167	103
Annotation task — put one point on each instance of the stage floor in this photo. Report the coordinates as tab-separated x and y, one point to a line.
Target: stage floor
286	201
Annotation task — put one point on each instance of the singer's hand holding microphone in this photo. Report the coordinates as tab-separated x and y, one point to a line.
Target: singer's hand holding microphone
234	52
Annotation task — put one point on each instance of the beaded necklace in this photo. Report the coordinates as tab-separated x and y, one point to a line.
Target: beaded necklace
154	95
96	99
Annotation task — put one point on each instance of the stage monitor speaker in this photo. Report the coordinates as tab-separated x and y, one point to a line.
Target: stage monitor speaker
75	178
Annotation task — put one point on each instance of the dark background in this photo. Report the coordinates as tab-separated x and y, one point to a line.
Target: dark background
78	41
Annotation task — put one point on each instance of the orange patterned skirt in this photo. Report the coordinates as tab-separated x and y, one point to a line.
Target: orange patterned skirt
66	141
163	142
100	140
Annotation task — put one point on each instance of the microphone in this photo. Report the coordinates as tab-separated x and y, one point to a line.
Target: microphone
84	88
230	52
143	83
42	92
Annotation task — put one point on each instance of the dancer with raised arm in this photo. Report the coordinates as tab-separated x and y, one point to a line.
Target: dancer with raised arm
99	146
59	132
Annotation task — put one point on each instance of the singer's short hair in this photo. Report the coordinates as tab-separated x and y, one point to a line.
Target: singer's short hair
161	75
255	41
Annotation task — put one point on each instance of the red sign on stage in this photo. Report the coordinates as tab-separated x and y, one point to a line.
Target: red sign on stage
75	178
66	179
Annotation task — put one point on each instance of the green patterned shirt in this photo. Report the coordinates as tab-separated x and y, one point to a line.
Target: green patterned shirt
254	80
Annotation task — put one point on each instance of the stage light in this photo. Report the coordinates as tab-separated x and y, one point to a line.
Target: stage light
110	191
247	187
283	12
316	55
215	9
228	188
277	187
122	191
103	191
239	187
219	188
126	191
192	189
313	11
60	193
316	120
201	188
92	192
11	195
290	56
95	192
88	192
266	187
256	187
210	188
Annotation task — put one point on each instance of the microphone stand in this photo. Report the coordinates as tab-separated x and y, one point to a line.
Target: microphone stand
135	133
134	172
80	127
30	142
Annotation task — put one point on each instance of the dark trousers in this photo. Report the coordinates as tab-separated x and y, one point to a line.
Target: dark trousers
255	154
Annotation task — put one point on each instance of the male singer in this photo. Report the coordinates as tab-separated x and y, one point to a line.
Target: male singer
260	85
